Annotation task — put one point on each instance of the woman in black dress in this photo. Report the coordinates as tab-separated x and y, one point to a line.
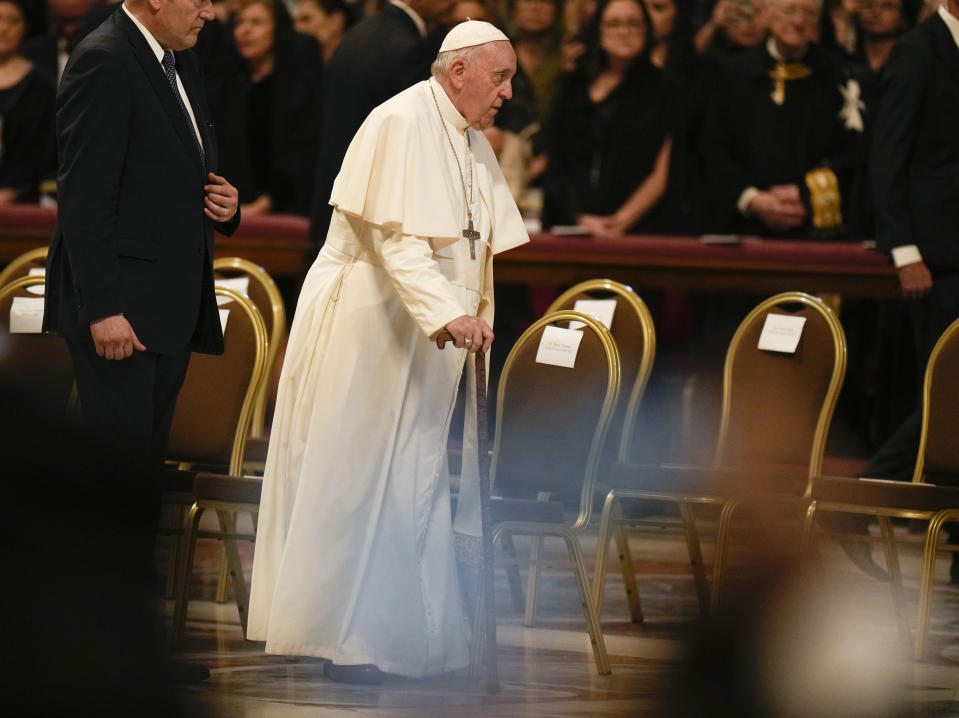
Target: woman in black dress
27	114
609	143
265	100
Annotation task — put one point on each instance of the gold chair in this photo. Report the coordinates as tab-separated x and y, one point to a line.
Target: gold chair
212	418
262	291
21	265
39	364
775	417
937	461
635	336
551	426
266	297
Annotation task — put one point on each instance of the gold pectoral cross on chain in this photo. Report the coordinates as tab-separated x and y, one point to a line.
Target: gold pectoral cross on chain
472	235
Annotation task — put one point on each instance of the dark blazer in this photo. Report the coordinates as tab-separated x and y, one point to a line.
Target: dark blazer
131	235
915	154
377	58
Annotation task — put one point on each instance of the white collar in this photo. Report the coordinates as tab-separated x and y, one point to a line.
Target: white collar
414	16
951	22
774	51
151	41
447	109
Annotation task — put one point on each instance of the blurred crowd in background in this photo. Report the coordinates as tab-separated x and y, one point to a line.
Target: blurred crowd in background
628	116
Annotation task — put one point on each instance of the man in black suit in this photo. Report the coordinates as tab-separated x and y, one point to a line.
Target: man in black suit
915	178
69	22
377	59
130	279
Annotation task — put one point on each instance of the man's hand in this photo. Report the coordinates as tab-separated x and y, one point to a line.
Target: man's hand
915	280
471	332
780	208
114	338
222	199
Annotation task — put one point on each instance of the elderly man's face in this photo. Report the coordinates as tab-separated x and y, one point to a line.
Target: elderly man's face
178	22
794	23
487	82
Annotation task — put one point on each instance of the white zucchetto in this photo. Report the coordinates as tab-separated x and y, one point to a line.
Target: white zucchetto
470	33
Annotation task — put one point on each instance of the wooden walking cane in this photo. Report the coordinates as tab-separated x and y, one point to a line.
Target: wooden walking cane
482	436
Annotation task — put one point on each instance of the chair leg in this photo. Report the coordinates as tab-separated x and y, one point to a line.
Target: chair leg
512	572
722	550
895	577
694	548
184	573
237	581
810	543
176	546
629	575
532	582
223	577
602	552
589	609
925	582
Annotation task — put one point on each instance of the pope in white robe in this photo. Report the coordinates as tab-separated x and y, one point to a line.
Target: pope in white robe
354	558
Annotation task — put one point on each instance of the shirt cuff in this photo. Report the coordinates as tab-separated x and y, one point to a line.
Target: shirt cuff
906	254
742	204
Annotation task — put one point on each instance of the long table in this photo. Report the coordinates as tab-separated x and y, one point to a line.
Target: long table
279	243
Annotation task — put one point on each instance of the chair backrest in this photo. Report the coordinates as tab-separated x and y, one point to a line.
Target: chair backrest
938	456
215	406
21	265
37	364
777	406
551	421
264	294
632	329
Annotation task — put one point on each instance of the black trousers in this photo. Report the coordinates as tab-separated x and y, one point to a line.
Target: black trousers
930	316
126	409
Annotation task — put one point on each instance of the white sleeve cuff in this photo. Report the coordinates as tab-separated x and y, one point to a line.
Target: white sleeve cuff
906	254
742	204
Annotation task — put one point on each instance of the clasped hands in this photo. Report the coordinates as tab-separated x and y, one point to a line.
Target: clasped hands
472	333
779	208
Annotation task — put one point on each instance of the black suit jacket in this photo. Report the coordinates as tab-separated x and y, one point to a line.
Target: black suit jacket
131	236
915	155
378	58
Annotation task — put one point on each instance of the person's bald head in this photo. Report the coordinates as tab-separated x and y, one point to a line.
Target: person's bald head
793	25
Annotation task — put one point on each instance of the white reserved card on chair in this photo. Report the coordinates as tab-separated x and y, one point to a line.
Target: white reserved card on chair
224	315
559	346
781	333
601	310
26	315
240	285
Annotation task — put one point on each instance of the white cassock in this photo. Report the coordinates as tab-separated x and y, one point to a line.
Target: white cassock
354	554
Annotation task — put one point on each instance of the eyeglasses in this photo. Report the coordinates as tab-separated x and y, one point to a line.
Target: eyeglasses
622	25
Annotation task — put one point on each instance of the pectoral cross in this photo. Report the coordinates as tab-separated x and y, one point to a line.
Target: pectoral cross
472	235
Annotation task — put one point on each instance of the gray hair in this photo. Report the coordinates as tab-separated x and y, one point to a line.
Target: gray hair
441	65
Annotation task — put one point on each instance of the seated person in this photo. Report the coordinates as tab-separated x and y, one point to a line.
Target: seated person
783	138
27	113
608	139
265	100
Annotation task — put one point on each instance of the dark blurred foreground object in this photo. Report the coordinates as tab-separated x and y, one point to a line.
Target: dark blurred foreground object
79	590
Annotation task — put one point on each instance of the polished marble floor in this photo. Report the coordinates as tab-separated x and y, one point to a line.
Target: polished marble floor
820	651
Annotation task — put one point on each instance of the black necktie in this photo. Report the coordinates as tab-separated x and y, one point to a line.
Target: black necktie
169	69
